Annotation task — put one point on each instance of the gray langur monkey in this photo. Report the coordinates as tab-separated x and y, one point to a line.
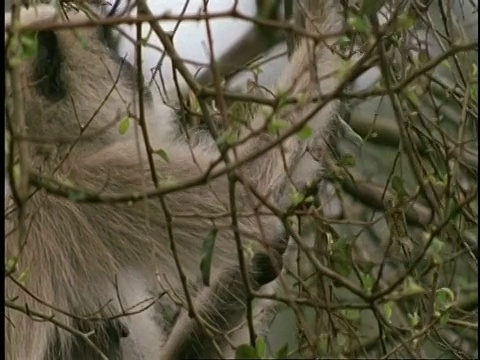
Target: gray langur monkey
87	262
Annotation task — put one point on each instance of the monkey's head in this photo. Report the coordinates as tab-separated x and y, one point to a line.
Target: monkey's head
71	81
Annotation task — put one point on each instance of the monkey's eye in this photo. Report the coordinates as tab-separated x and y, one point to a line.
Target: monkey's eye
48	66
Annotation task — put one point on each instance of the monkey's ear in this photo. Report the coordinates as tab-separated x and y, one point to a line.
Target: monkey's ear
48	66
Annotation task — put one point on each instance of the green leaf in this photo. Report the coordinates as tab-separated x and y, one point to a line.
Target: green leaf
342	260
74	195
163	154
397	185
16	173
305	133
29	46
388	307
22	279
206	262
414	319
246	351
124	125
297	198
444	299
367	281
276	125
261	347
405	21
370	7
347	160
342	340
444	318
359	24
11	264
351	314
282	353
412	287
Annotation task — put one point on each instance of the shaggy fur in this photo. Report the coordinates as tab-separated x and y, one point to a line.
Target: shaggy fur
96	259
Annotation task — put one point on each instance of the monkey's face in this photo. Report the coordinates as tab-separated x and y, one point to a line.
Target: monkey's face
71	81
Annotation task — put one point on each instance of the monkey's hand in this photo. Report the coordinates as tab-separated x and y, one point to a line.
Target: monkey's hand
220	308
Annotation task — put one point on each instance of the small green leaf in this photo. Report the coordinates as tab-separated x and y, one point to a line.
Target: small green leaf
367	281
11	264
206	262
359	24
412	287
297	198
16	173
444	318
405	21
29	46
351	314
370	7
388	307
124	126
347	160
444	299
276	125
305	133
163	154
246	351
342	262
261	347
341	340
22	279
414	319
397	185
282	353
74	195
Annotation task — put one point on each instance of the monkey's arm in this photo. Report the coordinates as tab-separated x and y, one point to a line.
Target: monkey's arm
218	309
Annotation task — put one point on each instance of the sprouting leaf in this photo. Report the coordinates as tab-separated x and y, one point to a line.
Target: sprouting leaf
206	263
359	23
163	154
370	7
435	251
405	21
282	352
367	281
414	319
11	264
246	351
351	314
412	287
397	185
124	126
302	98
297	198
29	46
444	299
305	133
261	347
444	318
74	195
276	124
347	160
388	307
342	259
16	173
342	340
22	279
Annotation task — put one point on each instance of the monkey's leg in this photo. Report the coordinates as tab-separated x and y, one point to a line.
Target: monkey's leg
222	305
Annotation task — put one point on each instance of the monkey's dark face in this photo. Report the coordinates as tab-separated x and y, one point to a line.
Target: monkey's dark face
47	67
